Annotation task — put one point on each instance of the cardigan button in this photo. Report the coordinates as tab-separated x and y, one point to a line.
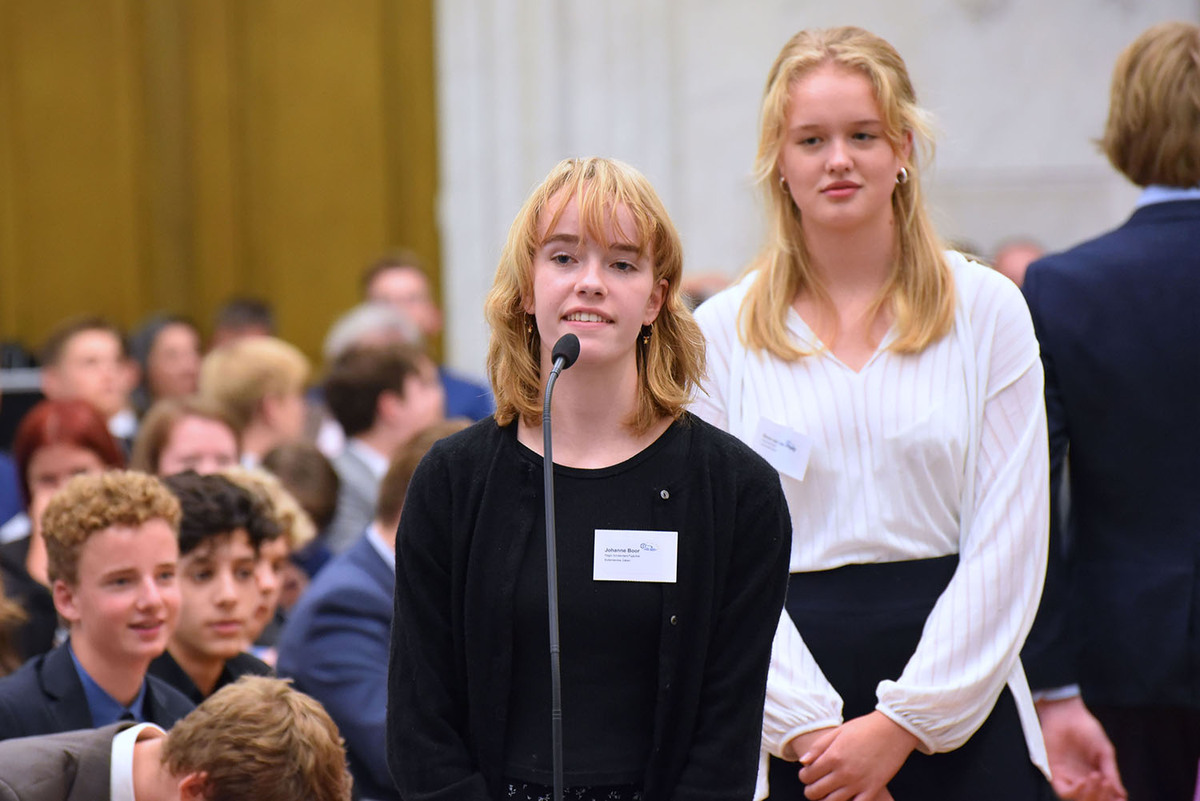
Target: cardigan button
674	620
664	495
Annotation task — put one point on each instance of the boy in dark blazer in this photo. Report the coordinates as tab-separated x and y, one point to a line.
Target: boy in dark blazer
255	740
221	532
111	545
1116	641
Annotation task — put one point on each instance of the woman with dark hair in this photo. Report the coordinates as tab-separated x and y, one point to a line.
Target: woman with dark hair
167	349
664	654
56	440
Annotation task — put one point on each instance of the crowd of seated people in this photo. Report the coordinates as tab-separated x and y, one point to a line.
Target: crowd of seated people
188	506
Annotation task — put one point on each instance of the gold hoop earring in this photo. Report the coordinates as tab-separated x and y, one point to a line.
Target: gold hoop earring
902	176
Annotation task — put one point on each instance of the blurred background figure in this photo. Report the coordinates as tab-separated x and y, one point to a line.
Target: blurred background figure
400	280
381	396
700	287
85	358
56	441
1013	257
166	349
258	382
309	477
335	642
188	433
241	318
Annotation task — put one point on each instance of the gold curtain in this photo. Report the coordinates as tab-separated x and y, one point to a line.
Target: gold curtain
168	154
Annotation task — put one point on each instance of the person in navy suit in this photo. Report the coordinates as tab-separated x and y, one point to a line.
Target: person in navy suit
1116	643
112	548
335	642
400	280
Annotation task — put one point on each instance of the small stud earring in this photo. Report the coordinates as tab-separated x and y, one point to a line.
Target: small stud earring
902	176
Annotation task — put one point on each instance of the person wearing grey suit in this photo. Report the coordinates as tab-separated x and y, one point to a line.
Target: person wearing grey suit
254	740
381	395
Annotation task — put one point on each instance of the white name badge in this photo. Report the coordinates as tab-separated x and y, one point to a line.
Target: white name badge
622	555
786	449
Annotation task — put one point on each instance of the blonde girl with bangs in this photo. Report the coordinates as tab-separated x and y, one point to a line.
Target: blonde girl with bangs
896	388
664	670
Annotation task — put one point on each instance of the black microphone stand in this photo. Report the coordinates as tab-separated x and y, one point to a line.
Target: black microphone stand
565	352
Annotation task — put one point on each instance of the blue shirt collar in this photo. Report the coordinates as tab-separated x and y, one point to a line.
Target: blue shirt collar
1156	193
104	708
385	553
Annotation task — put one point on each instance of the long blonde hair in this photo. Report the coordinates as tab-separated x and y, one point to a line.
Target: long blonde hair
920	288
669	366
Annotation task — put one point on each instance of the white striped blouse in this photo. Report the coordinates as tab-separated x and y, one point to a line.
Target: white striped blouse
913	456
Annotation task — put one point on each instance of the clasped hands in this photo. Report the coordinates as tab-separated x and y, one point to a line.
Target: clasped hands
854	761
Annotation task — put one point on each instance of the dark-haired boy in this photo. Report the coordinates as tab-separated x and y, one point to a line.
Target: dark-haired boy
222	528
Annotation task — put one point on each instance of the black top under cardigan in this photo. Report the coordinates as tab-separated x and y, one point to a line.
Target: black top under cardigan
467	518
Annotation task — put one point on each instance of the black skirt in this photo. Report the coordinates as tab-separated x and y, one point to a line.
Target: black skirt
862	623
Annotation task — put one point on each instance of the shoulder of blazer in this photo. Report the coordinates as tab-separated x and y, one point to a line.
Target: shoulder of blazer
164	704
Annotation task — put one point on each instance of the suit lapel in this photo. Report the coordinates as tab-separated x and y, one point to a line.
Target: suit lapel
60	682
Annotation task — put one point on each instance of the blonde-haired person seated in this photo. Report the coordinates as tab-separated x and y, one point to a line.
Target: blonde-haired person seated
179	434
254	740
259	383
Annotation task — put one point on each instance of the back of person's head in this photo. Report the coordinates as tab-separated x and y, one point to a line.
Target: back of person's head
213	506
1154	110
394	486
260	740
239	375
670	362
72	422
369	323
242	317
154	433
357	379
309	476
60	338
920	289
93	503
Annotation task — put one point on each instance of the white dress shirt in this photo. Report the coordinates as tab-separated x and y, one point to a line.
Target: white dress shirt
121	773
913	456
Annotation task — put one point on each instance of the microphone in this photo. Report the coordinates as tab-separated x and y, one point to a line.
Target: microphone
567	349
564	354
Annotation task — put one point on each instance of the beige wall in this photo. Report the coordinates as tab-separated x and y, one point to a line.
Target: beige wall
165	154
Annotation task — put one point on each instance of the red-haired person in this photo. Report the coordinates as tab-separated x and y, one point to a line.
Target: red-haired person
56	440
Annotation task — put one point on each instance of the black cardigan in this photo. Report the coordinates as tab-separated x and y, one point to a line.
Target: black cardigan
470	509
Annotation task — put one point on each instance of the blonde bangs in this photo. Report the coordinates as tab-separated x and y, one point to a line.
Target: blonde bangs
669	367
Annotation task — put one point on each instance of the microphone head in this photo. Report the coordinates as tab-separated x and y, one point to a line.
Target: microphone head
567	349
